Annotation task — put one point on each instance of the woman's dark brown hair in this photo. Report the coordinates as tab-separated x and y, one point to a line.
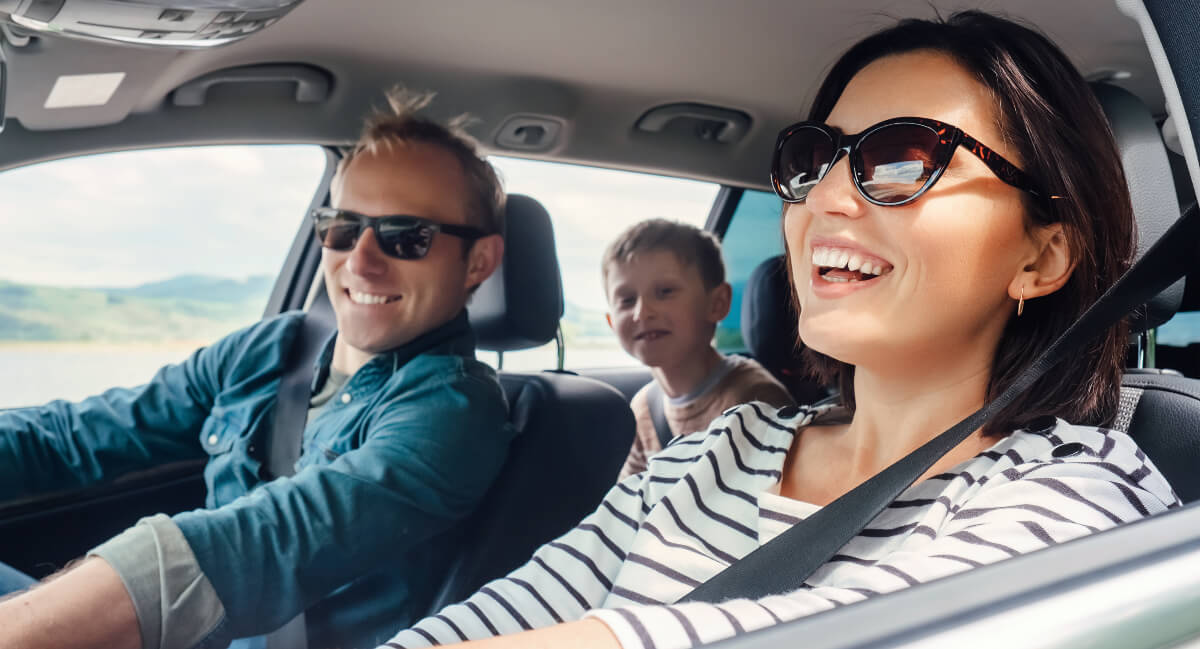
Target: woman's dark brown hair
1049	115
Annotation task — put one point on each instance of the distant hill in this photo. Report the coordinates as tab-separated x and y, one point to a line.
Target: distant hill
196	308
191	308
581	322
202	287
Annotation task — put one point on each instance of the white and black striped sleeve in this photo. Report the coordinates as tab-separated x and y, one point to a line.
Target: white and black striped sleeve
564	579
1028	507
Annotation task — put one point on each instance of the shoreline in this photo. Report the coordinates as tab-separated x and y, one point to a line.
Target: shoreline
98	346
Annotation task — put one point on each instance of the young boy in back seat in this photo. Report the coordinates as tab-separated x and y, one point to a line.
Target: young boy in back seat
666	290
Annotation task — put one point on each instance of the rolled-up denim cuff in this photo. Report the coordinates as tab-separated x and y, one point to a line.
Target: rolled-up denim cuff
176	606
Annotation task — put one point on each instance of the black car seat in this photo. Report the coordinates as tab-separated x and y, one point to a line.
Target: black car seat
769	330
1159	409
574	431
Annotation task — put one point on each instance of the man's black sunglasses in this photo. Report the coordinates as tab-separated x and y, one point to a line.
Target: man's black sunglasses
400	236
891	163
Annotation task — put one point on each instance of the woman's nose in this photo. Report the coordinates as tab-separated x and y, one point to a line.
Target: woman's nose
836	194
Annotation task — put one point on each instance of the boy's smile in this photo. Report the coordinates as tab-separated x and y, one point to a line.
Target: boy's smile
660	309
651	335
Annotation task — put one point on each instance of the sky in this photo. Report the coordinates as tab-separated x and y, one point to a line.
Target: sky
122	219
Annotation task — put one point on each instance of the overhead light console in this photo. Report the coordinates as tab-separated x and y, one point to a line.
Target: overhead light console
162	23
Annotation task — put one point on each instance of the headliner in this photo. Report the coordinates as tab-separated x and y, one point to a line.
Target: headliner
597	66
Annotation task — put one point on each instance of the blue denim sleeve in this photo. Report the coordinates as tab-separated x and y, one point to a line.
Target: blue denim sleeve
64	445
428	459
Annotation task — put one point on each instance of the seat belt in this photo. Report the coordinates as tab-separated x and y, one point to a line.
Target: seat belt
295	389
287	430
785	562
658	415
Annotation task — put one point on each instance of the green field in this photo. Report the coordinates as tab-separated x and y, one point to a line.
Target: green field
185	308
182	308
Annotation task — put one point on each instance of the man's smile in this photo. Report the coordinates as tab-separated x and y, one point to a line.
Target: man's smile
359	297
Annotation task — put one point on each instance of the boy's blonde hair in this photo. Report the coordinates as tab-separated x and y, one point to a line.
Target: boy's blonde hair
400	124
691	245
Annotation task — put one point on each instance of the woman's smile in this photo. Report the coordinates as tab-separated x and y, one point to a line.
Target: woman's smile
842	267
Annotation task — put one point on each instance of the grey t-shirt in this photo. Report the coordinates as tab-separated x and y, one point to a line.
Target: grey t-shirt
333	383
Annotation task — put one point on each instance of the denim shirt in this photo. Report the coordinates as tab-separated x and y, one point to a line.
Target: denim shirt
358	537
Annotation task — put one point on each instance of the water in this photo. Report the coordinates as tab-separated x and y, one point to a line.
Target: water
36	373
32	374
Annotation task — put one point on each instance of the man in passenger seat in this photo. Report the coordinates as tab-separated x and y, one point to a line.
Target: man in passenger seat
666	290
406	431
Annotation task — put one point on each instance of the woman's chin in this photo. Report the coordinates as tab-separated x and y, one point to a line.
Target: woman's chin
839	341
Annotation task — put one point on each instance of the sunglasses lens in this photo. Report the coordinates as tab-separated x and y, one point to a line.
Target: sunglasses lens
801	162
405	240
897	161
337	232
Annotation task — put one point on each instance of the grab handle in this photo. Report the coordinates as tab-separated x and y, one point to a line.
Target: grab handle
312	84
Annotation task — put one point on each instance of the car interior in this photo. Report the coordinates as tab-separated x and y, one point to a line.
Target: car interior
688	90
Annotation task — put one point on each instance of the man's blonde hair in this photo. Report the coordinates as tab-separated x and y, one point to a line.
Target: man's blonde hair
690	244
400	124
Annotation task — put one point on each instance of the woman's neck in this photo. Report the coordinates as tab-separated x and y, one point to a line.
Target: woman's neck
684	377
895	415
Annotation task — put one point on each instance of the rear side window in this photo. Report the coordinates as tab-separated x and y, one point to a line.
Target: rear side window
589	208
755	234
117	264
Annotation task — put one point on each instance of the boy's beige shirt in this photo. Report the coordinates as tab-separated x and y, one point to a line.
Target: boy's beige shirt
746	381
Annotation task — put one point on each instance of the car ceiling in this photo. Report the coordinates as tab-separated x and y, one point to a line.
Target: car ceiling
594	66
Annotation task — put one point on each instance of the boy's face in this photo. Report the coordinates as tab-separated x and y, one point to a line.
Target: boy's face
660	309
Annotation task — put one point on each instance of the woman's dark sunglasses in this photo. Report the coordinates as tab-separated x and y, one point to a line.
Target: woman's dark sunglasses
402	237
891	163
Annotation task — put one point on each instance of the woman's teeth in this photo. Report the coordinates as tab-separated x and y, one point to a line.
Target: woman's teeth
836	259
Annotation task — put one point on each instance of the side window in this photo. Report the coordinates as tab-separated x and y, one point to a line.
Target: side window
1181	330
116	264
1179	343
589	208
754	234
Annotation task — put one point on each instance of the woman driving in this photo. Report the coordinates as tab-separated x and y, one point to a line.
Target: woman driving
953	203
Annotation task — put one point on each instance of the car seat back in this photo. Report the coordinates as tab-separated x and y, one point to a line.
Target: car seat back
574	432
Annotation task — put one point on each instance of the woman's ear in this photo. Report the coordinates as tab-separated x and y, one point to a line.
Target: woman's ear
1047	267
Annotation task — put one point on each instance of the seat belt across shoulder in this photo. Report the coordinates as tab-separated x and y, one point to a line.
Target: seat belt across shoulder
287	430
658	415
785	562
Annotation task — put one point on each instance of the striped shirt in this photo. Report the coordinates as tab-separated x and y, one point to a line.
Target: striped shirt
706	501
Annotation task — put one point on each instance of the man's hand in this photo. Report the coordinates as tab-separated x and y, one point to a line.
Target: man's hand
85	607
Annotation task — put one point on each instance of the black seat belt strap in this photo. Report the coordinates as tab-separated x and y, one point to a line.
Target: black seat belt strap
658	415
784	563
287	431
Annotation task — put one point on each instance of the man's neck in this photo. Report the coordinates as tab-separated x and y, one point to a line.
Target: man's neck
347	359
684	377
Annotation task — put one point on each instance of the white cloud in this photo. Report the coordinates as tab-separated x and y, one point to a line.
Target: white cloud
132	217
590	207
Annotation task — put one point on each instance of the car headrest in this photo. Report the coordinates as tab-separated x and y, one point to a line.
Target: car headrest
519	306
768	317
1151	186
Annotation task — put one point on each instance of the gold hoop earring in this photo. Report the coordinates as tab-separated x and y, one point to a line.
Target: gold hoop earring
1021	303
